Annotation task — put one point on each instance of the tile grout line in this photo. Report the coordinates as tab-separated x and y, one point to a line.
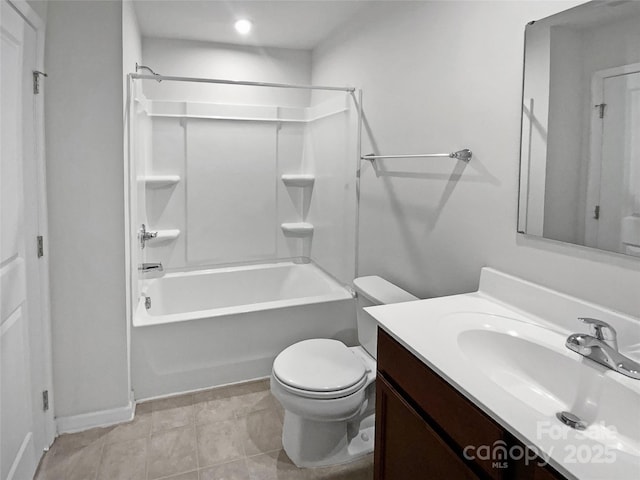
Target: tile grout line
237	425
191	423
195	427
246	465
244	450
101	458
240	413
148	447
263	453
168	477
195	436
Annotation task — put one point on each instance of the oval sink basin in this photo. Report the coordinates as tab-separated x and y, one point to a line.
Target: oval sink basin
521	367
532	364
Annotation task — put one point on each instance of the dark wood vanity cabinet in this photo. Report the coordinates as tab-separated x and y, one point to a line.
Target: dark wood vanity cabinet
423	425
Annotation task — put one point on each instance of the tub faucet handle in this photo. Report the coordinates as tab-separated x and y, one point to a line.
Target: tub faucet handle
144	235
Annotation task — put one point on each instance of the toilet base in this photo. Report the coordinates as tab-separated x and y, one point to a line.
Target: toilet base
309	443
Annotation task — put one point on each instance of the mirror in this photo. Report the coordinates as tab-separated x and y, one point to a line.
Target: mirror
580	148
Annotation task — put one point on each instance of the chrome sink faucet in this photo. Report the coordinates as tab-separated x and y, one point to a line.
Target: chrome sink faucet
601	346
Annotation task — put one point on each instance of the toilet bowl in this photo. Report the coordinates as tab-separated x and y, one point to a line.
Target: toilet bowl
327	389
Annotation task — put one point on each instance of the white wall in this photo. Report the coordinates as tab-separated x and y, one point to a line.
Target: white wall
438	76
85	195
211	60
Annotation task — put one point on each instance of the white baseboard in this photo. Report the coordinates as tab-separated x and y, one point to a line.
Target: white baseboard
103	418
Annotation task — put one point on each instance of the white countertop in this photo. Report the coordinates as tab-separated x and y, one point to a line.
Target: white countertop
449	334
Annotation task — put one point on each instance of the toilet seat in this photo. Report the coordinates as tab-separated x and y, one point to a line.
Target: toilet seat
319	368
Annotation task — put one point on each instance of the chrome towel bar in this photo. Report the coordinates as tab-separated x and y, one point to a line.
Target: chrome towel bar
464	155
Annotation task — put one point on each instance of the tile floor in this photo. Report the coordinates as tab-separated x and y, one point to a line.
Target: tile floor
228	433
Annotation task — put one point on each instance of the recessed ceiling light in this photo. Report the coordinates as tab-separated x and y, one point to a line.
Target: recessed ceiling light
243	26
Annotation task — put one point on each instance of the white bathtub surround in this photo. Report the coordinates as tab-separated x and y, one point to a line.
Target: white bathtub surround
250	113
327	390
298	179
229	175
298	229
503	347
220	326
237	184
160	181
163	236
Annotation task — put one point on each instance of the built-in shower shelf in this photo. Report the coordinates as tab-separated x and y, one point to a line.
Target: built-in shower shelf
298	179
298	229
161	181
164	236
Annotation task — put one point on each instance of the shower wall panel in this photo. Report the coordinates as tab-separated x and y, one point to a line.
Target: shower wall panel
292	202
142	148
331	153
231	191
165	207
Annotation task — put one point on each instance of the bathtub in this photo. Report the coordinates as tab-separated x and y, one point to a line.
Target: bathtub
213	327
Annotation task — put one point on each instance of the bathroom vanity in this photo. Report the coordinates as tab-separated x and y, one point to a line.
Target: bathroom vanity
423	425
470	387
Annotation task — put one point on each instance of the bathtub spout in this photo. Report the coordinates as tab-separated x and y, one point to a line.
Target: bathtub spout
150	267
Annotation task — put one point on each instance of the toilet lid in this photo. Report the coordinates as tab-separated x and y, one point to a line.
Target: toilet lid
320	365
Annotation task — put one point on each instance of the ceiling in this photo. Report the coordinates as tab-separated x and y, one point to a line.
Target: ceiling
300	24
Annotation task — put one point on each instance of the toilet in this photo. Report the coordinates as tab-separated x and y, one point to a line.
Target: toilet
327	389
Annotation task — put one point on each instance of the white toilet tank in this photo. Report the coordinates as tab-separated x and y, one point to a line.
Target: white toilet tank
374	290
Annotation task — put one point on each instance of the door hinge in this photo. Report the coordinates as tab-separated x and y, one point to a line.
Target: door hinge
596	212
36	81
40	246
45	400
601	107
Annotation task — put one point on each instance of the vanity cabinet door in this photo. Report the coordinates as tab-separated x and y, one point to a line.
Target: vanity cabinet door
461	421
407	447
423	425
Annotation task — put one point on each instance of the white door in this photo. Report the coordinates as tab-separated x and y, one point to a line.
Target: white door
25	428
618	136
614	184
